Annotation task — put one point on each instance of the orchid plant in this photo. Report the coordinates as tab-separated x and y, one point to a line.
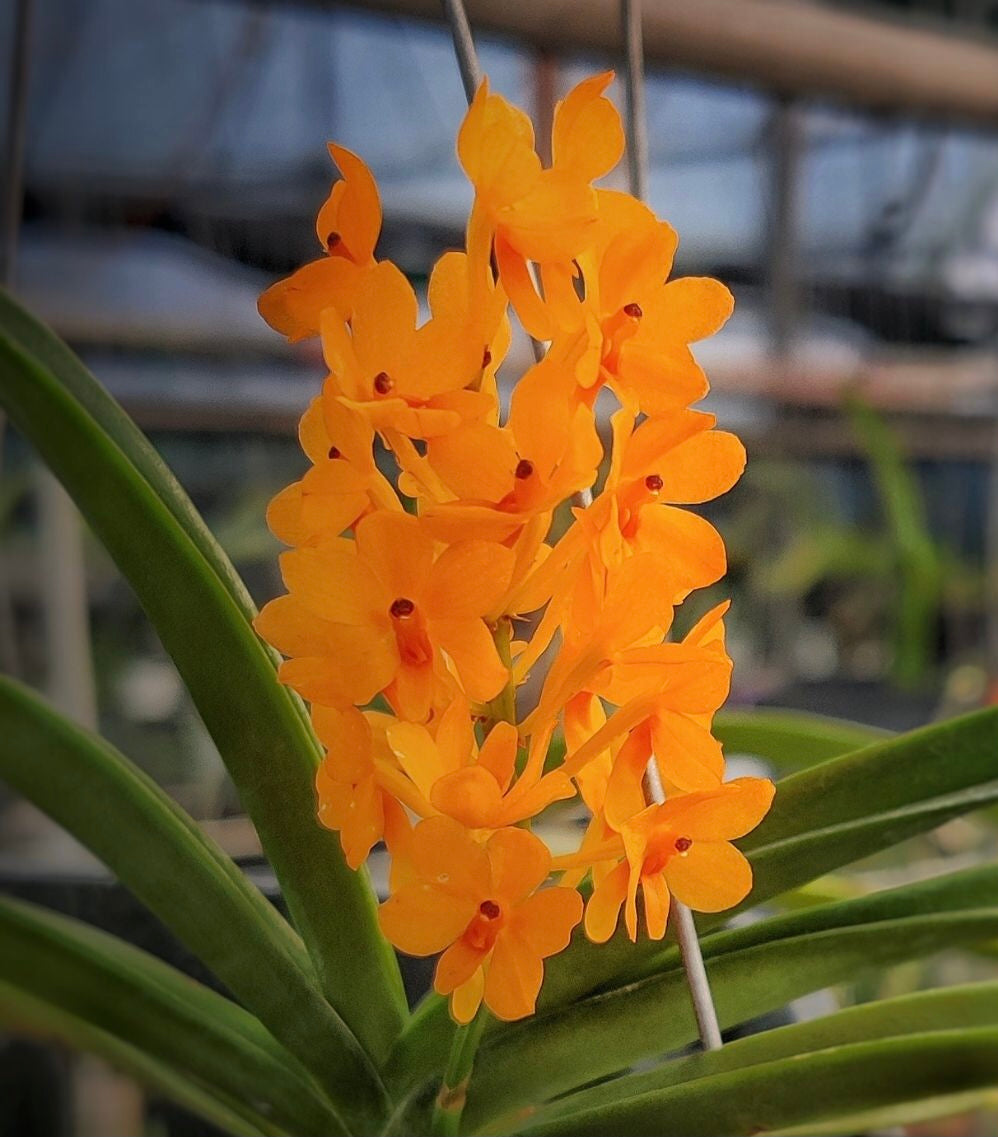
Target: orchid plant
445	549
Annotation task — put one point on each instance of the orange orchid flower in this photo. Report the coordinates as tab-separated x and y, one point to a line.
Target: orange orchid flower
343	484
481	904
522	211
348	227
403	379
350	781
386	613
681	848
501	477
470	784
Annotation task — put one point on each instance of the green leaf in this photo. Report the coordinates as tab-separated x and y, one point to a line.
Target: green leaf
864	1058
187	881
823	818
152	1007
21	1013
752	970
791	740
187	589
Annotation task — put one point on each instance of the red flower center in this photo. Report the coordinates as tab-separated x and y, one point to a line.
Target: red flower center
524	468
383	383
334	452
633	310
654	483
402	608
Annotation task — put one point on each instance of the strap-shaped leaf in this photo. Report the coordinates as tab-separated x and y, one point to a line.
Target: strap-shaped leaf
752	970
22	1013
126	820
154	1008
201	617
791	740
865	1050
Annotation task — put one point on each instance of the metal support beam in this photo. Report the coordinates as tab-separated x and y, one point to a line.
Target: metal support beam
788	46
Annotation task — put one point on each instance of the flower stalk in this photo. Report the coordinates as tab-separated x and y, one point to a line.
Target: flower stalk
450	1101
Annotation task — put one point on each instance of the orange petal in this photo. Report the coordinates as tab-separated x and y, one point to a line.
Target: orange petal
688	755
418	755
294	306
732	810
545	920
356	666
348	736
587	136
468	580
466	1000
662	381
513	979
522	292
498	753
384	319
446	856
312	432
520	862
334	583
693	548
470	796
709	877
421	920
457	965
396	550
475	461
472	651
356	215
603	909
702	468
412	691
290	626
656	897
692	308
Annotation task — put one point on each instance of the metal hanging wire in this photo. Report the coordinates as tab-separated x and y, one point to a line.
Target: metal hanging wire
637	165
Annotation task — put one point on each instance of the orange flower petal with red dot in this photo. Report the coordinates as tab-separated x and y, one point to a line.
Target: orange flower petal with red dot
710	876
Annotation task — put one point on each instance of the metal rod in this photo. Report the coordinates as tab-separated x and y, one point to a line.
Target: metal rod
464	46
637	120
637	161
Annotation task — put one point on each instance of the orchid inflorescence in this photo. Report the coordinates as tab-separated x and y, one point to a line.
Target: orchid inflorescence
451	587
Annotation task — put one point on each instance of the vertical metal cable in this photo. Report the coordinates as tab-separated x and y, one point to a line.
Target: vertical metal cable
464	46
637	161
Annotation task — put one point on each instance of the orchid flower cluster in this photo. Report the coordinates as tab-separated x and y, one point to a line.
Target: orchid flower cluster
432	593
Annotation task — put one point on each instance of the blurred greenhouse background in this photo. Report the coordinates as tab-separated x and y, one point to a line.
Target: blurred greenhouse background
174	162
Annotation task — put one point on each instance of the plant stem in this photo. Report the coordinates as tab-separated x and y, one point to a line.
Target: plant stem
450	1101
464	46
503	707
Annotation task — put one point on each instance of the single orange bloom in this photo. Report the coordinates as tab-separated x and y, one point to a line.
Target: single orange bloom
343	485
471	784
348	226
402	378
501	477
681	848
386	613
526	213
350	784
481	904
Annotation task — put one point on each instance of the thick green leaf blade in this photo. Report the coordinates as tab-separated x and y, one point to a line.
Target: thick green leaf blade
256	723
159	853
823	818
791	740
752	970
154	1008
21	1013
863	1046
38	341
